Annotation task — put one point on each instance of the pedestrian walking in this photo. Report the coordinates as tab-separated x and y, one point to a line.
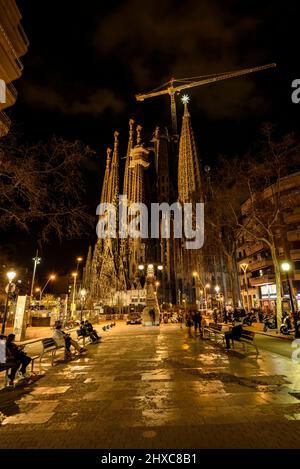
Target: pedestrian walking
189	323
197	321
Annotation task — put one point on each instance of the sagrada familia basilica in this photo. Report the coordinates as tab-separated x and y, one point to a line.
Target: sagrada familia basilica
166	169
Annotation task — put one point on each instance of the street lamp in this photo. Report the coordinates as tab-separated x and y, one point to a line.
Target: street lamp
52	277
37	261
82	297
206	287
78	259
217	290
286	267
9	287
73	306
244	268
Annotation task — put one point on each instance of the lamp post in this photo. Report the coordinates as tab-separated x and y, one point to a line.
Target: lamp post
73	305
244	268
206	287
286	267
52	277
82	298
195	275
37	260
9	287
217	290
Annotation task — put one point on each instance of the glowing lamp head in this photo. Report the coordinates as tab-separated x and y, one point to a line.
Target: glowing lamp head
207	285
150	266
286	266
83	292
141	267
11	275
79	259
52	277
217	288
160	267
74	274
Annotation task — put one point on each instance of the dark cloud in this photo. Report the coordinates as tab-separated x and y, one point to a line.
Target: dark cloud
47	97
157	40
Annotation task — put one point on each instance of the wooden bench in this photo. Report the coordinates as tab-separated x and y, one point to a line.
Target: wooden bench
49	346
81	336
247	338
5	367
216	330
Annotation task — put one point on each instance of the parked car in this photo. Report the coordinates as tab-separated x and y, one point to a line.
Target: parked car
134	318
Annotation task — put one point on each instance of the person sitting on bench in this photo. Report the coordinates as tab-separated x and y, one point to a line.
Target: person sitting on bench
7	360
91	331
235	333
17	353
64	340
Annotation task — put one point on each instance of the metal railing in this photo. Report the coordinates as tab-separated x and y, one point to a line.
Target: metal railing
15	56
5	123
12	89
23	34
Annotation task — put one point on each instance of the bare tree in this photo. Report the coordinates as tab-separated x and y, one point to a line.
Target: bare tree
41	187
257	180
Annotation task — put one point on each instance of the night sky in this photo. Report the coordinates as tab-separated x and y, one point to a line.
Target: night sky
87	60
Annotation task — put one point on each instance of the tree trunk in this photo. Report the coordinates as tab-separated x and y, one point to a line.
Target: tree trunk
278	285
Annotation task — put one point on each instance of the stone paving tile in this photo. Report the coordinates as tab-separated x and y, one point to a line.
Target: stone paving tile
155	387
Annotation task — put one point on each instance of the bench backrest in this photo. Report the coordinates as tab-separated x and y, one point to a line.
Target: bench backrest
48	343
248	335
216	327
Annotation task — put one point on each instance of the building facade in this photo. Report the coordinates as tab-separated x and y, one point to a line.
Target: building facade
257	276
13	44
162	170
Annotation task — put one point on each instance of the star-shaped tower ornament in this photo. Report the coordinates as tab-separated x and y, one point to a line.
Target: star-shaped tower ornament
185	99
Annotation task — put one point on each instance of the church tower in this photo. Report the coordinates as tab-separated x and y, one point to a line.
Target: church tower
188	261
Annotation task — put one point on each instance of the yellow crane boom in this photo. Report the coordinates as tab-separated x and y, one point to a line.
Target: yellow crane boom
176	86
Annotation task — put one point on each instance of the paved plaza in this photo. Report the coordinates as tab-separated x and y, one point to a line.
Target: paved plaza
156	387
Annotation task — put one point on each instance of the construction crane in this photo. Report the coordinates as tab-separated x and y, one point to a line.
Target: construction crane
175	86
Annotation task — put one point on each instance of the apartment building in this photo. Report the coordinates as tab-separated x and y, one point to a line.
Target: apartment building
257	278
13	44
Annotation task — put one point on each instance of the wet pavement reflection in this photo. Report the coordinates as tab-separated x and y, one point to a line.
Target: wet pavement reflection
156	387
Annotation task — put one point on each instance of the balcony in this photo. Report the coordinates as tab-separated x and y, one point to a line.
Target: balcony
5	123
295	254
260	264
11	96
263	280
9	59
293	235
253	248
292	218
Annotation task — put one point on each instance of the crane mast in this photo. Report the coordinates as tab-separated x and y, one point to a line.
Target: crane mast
186	83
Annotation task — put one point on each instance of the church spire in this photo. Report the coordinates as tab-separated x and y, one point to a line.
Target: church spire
113	186
189	181
138	131
104	193
128	173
